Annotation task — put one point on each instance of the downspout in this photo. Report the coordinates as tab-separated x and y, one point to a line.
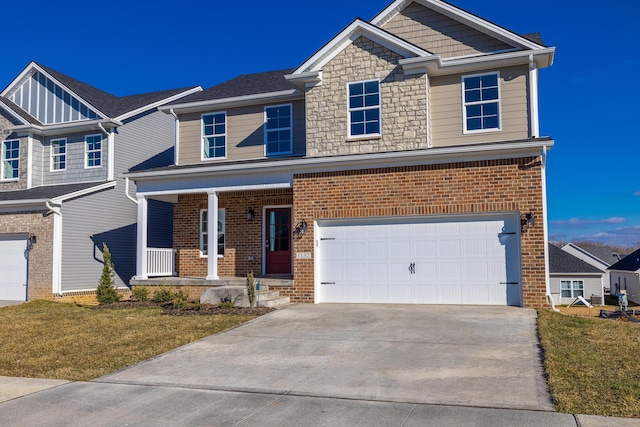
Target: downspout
57	247
546	229
176	137
126	190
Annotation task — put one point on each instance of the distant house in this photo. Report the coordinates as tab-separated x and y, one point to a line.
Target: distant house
571	277
625	274
63	147
600	256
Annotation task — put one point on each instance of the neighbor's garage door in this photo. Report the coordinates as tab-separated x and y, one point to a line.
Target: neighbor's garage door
13	268
450	260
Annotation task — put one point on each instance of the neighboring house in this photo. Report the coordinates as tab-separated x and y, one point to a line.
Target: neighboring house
572	277
401	163
64	147
625	275
600	256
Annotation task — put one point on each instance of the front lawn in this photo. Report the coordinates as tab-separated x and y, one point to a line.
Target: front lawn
593	364
43	339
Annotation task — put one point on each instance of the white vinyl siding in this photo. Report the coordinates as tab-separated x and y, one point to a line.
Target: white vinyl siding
10	159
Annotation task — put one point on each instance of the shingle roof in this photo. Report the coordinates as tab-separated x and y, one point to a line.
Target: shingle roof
111	105
246	84
19	111
534	37
44	192
604	253
629	263
563	262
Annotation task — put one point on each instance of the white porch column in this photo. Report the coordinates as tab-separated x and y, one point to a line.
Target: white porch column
141	247
212	223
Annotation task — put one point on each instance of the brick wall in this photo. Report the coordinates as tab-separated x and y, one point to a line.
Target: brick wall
511	185
243	238
41	255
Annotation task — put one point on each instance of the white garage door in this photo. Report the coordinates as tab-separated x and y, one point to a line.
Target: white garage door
451	260
13	268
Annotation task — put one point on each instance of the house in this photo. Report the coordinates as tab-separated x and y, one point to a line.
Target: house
400	163
572	277
625	275
598	255
64	147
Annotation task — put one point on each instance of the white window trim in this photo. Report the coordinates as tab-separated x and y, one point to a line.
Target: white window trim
464	105
572	288
52	155
202	233
379	107
202	136
86	151
2	160
279	153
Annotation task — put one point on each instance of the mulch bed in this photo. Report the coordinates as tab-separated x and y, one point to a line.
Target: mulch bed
198	310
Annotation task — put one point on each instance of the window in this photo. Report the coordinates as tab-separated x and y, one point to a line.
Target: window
214	136
93	151
481	99
277	129
364	108
58	154
10	159
572	288
204	232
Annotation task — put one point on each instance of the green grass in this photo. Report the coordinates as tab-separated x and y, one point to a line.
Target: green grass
592	364
43	339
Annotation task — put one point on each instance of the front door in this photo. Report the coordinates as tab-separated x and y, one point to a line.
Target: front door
278	241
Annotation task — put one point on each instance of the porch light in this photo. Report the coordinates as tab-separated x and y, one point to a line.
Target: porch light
527	221
250	214
300	229
32	240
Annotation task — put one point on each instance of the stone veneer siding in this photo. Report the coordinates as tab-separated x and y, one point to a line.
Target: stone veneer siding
41	255
403	98
509	185
243	238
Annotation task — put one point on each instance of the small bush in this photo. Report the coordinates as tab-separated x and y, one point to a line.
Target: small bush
162	294
106	292
180	299
227	304
251	289
140	294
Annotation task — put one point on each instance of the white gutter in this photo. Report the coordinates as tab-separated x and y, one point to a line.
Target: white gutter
233	101
533	98
545	230
176	137
47	130
126	190
147	107
57	247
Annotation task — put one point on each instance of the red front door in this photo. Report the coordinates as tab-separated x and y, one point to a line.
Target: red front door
278	241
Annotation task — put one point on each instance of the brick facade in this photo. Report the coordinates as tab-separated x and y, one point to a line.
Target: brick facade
510	185
41	254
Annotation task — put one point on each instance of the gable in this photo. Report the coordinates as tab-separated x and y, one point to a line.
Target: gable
441	34
48	102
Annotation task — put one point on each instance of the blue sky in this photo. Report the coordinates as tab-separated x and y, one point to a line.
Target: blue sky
585	97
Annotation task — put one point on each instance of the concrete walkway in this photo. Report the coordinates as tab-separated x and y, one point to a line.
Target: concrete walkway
332	365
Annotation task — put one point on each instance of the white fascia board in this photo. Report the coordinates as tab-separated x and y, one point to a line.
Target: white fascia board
347	36
13	113
395	158
461	16
22	204
436	65
157	104
58	200
235	101
80	126
256	187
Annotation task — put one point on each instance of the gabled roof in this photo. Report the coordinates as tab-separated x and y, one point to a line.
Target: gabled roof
563	262
46	192
604	254
629	263
18	112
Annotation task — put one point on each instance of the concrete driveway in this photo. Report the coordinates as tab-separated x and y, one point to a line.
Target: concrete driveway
470	356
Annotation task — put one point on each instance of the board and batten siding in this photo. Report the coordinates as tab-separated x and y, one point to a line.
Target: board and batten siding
75	161
440	34
108	216
245	133
445	108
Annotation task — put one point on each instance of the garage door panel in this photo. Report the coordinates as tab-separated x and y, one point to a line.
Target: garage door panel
456	261
13	268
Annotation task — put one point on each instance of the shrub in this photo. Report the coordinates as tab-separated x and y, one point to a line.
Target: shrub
251	289
227	304
180	299
162	294
106	292
140	294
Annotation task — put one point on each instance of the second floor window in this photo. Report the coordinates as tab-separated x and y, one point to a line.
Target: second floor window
10	159
93	151
481	96
277	129
364	108
214	136
58	154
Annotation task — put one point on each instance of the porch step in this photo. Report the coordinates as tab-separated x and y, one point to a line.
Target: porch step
271	299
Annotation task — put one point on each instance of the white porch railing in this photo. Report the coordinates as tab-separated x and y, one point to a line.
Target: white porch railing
160	262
